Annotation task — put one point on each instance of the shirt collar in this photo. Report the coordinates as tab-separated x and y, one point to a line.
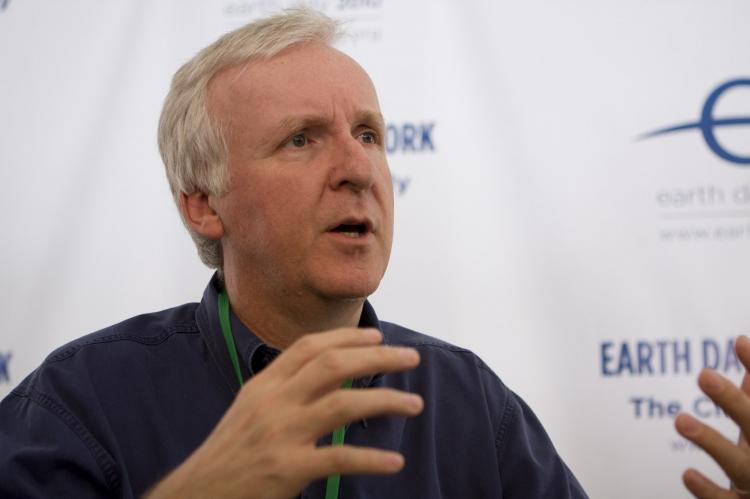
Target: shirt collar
207	318
254	354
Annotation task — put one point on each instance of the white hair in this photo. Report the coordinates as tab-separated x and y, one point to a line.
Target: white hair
191	143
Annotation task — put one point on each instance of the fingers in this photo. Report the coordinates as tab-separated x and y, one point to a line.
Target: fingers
270	431
742	348
302	352
312	345
704	488
326	372
733	401
731	458
350	460
344	406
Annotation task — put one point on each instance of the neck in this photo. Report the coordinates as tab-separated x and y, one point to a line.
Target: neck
279	321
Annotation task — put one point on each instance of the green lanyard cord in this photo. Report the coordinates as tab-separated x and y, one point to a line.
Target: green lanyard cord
226	329
333	482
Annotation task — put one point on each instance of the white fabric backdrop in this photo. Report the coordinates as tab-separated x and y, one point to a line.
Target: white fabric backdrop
532	226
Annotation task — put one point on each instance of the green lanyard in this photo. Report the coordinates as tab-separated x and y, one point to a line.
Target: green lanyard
333	482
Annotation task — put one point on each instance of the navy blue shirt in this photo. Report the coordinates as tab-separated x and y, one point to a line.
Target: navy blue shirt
111	413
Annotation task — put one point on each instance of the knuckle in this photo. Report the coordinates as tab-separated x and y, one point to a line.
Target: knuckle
332	361
273	430
308	344
338	403
265	405
395	397
270	409
392	353
395	401
271	464
388	356
340	458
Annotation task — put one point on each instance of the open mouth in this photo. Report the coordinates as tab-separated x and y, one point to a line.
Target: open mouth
351	230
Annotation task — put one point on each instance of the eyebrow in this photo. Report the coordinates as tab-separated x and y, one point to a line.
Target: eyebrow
300	122
373	117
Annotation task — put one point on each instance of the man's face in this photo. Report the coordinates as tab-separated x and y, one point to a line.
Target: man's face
309	208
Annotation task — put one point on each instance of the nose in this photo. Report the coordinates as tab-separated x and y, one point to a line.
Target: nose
352	165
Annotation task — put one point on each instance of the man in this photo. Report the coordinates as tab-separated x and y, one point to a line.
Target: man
274	147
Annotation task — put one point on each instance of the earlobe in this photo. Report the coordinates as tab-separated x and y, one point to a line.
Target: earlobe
200	216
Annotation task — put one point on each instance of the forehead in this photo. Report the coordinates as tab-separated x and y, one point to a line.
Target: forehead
308	78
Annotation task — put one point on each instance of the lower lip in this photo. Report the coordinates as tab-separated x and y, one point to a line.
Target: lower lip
365	238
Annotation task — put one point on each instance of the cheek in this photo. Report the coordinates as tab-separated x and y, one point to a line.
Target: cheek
386	188
281	206
248	209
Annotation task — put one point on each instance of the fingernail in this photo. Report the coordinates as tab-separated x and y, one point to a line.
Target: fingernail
741	339
414	401
710	381
394	460
688	425
691	476
372	334
409	354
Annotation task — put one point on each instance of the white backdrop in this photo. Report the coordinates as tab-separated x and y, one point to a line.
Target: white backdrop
594	270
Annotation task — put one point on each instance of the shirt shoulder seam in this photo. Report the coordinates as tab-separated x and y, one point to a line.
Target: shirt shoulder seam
502	430
167	332
478	362
442	346
106	466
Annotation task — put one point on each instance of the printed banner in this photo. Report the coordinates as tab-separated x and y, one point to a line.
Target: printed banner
572	189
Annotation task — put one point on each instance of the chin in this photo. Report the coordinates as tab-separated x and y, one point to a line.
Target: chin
349	287
350	292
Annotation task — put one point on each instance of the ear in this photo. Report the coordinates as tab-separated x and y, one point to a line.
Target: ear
200	216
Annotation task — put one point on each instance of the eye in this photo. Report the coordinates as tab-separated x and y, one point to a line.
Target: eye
369	137
298	140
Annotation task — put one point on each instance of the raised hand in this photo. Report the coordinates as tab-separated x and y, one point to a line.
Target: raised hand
734	458
264	446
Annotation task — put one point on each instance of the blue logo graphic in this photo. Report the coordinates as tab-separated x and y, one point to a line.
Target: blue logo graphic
4	363
409	137
708	124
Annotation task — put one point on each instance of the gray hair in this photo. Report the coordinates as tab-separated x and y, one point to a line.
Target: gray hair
191	142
